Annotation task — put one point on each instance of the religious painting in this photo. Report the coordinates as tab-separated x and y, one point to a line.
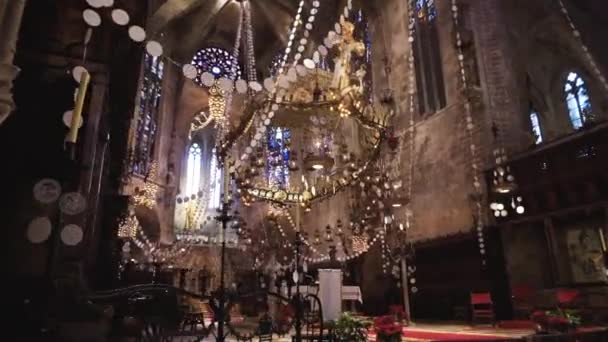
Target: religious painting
586	256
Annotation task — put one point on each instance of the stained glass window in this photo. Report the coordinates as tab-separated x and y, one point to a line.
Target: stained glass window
149	100
427	58
279	139
425	10
215	182
535	124
275	64
577	99
194	169
218	62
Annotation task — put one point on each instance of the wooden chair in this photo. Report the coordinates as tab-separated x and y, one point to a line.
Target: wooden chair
265	328
482	307
235	314
208	315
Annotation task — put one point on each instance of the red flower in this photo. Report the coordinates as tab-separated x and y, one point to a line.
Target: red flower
384	320
386	326
394	330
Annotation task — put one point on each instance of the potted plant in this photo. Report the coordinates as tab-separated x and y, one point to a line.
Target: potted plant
349	328
387	329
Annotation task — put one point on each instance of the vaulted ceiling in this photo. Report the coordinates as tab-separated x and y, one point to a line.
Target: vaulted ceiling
186	26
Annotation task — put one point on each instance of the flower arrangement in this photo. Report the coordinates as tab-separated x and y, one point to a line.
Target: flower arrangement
387	329
349	328
556	320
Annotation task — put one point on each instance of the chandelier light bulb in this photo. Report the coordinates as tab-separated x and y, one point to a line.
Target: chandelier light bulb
520	209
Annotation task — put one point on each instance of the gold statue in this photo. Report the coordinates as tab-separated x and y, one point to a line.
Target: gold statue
343	62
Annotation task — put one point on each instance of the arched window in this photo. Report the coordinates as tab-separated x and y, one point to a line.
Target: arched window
194	169
279	140
535	125
215	182
147	121
427	58
218	62
577	99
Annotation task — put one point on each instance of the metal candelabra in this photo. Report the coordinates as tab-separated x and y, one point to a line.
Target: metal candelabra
224	218
298	302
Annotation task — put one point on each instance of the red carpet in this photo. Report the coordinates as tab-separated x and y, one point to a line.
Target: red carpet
426	335
446	336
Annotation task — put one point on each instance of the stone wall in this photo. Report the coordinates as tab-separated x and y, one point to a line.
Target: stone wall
527	255
442	163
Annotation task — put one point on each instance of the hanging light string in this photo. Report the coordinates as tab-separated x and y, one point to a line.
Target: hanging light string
222	126
412	124
470	128
577	35
292	34
272	86
322	256
152	252
250	56
387	255
205	189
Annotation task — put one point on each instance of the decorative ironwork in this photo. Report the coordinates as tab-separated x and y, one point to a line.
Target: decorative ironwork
158	312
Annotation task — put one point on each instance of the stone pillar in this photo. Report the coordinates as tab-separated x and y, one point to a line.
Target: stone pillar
11	12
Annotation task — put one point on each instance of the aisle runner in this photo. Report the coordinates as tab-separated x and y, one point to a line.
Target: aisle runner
411	334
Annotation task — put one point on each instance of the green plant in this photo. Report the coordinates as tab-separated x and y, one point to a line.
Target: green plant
558	319
350	328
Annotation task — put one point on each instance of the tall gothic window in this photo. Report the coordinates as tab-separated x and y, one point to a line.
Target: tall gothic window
535	125
147	123
216	61
427	58
194	169
279	139
577	99
215	182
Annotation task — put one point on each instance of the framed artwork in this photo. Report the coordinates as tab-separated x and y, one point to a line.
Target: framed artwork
586	255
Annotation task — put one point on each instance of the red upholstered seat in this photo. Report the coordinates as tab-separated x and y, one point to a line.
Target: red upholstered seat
566	296
482	307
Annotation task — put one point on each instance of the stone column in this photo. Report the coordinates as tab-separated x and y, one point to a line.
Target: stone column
11	12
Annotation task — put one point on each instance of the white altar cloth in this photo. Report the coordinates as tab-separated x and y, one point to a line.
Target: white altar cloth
330	285
352	293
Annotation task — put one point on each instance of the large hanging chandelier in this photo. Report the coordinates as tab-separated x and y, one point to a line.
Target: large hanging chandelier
313	104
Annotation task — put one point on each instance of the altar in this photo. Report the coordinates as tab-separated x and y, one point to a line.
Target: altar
348	293
332	293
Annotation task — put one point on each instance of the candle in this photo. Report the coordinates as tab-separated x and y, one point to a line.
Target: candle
77	113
